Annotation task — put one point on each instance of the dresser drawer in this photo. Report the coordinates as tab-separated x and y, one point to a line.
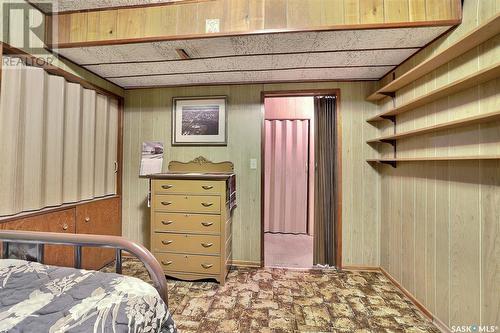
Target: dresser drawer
189	263
178	222
187	203
186	243
188	186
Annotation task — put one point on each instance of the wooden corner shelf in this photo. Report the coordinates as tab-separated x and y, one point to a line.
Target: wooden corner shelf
474	38
482	118
393	161
484	75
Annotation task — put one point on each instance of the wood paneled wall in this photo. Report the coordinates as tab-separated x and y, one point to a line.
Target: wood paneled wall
238	16
148	117
48	149
440	221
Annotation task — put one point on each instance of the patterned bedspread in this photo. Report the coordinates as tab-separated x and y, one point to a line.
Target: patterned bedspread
41	298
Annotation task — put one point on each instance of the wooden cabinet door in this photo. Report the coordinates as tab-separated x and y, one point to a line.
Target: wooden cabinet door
102	217
60	221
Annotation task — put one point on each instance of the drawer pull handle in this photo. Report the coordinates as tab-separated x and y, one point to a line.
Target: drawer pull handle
166	187
206	266
167	222
87	219
206	224
166	263
207	244
166	242
207	187
207	204
166	203
65	226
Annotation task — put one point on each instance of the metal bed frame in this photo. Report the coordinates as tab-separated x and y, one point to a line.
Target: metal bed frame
78	241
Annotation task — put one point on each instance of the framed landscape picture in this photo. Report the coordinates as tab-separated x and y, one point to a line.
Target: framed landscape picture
199	121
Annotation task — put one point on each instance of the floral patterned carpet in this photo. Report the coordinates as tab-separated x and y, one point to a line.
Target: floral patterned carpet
284	300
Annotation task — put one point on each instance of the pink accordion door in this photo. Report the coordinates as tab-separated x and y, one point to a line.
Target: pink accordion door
286	176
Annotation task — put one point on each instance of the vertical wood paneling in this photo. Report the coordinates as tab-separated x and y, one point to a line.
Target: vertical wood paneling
416	10
348	102
351	11
453	269
54	131
88	145
148	117
78	21
256	14
371	200
101	124
32	143
442	242
297	14
430	240
72	139
438	8
396	11
275	14
331	12
464	244
237	13
371	11
408	228
490	246
130	23
357	181
160	20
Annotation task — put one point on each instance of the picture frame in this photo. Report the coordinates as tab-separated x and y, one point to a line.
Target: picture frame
199	121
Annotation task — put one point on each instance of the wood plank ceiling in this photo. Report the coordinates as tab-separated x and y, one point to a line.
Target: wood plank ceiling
275	57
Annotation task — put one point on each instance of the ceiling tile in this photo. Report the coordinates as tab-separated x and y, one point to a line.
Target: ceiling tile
358	73
355	54
378	38
336	59
70	5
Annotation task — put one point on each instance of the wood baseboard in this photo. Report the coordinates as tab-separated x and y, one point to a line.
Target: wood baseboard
419	305
245	263
436	321
441	326
355	268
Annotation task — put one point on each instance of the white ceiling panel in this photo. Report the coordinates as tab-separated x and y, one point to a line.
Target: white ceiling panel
355	73
299	56
281	61
256	44
71	5
378	38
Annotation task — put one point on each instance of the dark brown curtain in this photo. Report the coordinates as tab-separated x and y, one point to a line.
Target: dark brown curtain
324	206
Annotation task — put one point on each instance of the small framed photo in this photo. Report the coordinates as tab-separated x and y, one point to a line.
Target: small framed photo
200	121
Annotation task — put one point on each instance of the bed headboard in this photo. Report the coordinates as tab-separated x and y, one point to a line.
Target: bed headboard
80	240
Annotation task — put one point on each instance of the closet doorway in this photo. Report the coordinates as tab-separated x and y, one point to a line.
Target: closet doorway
289	181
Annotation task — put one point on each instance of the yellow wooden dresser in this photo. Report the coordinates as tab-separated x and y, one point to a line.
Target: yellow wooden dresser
191	208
